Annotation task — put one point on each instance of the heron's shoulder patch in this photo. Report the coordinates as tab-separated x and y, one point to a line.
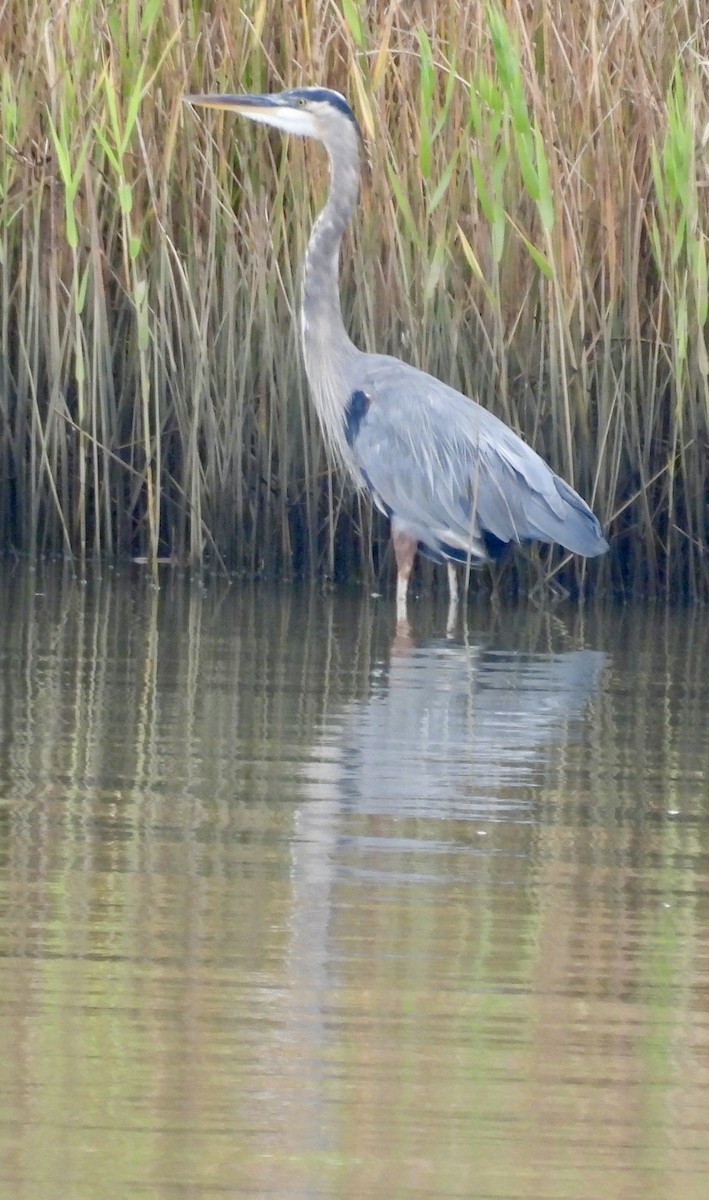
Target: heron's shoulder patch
355	412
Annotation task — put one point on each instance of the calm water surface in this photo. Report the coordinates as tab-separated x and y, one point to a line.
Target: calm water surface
290	907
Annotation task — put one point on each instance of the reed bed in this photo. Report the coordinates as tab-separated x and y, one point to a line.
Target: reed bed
534	230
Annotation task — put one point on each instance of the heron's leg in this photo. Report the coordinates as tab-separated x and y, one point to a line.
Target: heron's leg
452	585
452	597
404	552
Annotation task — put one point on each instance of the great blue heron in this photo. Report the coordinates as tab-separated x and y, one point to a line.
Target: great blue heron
456	483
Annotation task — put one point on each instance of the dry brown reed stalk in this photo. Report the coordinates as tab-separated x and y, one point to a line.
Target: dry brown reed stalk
534	232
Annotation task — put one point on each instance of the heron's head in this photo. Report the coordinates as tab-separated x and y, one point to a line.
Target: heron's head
310	111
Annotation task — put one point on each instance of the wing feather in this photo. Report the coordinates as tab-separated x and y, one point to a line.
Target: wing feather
450	472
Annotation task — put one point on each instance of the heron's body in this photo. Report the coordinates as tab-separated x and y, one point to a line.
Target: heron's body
456	482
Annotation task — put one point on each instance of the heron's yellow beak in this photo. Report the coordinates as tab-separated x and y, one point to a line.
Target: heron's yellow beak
287	111
251	106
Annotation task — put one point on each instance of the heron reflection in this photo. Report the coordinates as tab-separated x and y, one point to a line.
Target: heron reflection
449	729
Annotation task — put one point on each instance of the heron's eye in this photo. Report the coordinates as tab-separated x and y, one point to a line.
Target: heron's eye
301	103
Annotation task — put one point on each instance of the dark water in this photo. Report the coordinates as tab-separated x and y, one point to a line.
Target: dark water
292	908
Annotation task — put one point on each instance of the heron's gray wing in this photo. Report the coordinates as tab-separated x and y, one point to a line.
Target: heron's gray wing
451	472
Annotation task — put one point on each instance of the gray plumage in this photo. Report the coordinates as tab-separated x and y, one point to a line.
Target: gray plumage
456	482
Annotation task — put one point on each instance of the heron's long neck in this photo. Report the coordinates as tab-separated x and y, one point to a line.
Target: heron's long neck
326	346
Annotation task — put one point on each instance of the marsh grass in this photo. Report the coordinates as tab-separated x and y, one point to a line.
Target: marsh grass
534	230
